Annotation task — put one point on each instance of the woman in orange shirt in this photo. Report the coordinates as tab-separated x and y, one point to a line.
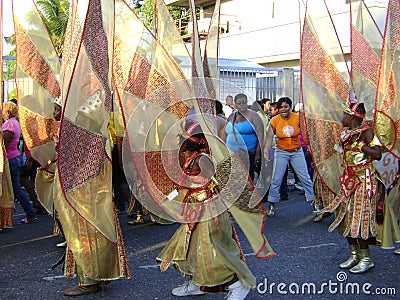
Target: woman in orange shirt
286	126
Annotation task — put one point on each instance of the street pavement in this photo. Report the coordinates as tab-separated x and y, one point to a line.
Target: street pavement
307	258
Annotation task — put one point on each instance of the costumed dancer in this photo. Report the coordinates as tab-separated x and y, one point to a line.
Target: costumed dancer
95	249
208	251
361	189
45	178
83	183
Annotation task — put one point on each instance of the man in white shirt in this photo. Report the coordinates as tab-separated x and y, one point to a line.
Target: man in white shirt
228	106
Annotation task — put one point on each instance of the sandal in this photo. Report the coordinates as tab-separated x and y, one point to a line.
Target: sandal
271	212
27	220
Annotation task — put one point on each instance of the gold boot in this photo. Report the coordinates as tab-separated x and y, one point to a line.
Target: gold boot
139	220
364	264
353	259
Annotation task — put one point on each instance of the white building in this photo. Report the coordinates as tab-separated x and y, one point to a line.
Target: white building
268	31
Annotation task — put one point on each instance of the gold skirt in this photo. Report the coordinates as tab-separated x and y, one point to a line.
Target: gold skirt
209	253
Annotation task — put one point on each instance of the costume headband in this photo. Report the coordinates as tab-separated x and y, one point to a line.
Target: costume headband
352	111
188	134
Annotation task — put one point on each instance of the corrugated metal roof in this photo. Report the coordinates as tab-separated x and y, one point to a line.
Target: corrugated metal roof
242	65
185	3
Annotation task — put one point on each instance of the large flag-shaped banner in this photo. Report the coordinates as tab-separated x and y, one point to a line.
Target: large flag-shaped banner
83	189
387	117
37	78
157	94
330	80
325	89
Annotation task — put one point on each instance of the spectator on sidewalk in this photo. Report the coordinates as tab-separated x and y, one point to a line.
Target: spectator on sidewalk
286	126
229	106
271	144
307	155
244	134
11	136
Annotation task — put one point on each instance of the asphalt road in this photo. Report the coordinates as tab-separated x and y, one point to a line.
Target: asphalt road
307	257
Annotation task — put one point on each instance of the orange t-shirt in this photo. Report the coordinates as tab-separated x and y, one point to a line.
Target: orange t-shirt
287	131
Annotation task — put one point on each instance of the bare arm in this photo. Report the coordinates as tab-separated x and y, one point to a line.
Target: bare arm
7	137
206	166
259	128
269	141
221	123
375	152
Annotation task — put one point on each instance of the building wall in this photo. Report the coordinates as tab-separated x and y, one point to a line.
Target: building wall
268	31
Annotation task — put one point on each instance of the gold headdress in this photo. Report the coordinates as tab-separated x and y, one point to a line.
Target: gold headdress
352	111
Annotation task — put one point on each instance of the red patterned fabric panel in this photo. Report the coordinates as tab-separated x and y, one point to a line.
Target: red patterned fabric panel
364	60
33	64
317	63
96	45
148	83
162	168
322	144
81	156
35	129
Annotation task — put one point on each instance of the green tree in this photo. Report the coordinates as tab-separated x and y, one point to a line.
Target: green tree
146	11
8	74
55	16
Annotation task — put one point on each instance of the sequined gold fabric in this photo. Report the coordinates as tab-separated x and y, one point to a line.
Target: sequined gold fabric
207	252
6	190
35	129
387	102
37	79
83	187
95	240
355	204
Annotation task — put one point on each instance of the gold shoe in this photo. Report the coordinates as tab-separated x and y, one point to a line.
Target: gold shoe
139	220
352	260
79	290
364	264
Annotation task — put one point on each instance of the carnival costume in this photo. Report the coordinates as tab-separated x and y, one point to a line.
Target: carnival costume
329	81
208	251
6	190
95	249
206	246
361	189
361	204
38	60
83	185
